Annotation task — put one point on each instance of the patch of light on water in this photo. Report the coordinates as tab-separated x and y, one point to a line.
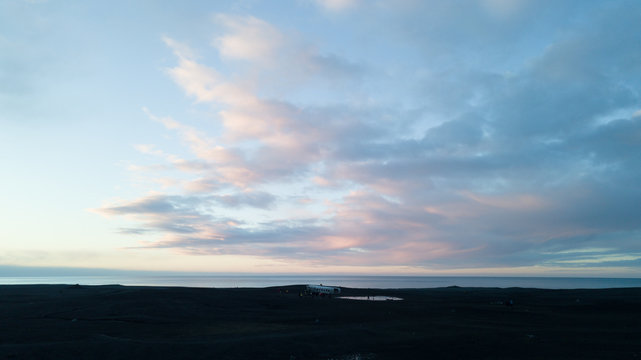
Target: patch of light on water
371	298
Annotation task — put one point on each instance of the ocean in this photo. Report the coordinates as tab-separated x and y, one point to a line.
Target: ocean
353	281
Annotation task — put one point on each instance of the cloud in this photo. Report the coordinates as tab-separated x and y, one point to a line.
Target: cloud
275	56
277	130
203	82
190	225
337	5
133	231
248	38
504	8
481	160
256	199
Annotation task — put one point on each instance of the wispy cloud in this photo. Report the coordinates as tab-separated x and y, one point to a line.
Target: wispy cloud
247	38
337	5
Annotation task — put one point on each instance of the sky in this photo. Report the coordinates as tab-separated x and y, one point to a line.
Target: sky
436	137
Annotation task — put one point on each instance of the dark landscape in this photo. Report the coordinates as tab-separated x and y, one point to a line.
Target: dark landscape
118	322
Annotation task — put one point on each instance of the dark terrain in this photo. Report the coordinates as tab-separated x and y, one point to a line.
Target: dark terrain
118	322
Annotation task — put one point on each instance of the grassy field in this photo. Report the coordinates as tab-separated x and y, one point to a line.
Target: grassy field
117	322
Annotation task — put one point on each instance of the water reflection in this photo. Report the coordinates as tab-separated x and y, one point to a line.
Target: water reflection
371	298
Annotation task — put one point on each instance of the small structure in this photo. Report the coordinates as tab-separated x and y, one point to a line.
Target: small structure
322	290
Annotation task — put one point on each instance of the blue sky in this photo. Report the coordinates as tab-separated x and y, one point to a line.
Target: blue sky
489	137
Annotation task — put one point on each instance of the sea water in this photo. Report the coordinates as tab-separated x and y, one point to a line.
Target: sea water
352	281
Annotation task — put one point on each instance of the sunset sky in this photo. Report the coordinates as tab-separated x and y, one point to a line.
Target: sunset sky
471	137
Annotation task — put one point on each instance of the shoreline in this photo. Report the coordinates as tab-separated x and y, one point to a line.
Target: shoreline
302	286
354	281
166	322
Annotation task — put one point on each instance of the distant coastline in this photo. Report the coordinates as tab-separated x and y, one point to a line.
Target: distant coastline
351	281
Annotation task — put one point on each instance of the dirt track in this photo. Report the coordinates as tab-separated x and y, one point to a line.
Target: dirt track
111	322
